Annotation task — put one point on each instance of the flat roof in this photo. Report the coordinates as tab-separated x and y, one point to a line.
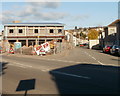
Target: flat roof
34	24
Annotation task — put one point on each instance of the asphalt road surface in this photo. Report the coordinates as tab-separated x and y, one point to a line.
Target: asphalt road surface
80	71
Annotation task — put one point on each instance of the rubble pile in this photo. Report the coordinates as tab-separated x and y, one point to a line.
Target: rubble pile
24	50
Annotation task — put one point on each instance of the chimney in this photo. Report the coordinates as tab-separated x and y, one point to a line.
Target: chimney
16	21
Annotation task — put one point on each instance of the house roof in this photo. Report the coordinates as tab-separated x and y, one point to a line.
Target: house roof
114	23
34	24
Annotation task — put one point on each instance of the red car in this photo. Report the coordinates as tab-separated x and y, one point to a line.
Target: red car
81	45
107	48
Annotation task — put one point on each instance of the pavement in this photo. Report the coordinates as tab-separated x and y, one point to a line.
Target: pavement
58	55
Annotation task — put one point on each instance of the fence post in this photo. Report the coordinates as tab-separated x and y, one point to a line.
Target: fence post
21	50
54	49
60	47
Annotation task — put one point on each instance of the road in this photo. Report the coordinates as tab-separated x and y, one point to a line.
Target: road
80	71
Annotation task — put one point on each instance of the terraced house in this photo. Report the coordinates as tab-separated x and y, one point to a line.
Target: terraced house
112	33
33	33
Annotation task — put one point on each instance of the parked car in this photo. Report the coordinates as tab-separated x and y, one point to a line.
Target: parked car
83	44
107	48
114	49
119	51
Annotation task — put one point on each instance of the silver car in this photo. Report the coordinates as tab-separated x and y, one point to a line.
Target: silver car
114	49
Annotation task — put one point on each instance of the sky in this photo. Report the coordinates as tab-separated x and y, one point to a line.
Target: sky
80	14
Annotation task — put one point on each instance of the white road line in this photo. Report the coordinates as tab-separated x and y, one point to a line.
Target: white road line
26	66
59	60
73	75
48	59
45	70
67	61
22	64
18	65
94	58
52	59
101	63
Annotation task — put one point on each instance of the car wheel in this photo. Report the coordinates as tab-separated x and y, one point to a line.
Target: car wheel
103	51
111	52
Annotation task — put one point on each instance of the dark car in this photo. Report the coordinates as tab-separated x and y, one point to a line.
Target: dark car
107	48
114	49
119	51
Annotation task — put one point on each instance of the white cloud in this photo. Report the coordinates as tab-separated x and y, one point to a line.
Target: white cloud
0	17
60	0
42	0
33	11
78	17
49	15
44	4
39	11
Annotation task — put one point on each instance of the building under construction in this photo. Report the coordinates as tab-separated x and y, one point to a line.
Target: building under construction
33	33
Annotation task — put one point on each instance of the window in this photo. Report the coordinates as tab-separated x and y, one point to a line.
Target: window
51	30
59	30
11	31
112	31
36	31
20	30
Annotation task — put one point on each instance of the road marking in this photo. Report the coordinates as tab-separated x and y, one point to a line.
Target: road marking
27	66
76	62
18	65
101	63
42	68
94	58
48	69
22	64
73	75
58	60
45	70
52	59
67	61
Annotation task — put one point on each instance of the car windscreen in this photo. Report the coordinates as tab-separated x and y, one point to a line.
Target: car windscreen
118	46
109	46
